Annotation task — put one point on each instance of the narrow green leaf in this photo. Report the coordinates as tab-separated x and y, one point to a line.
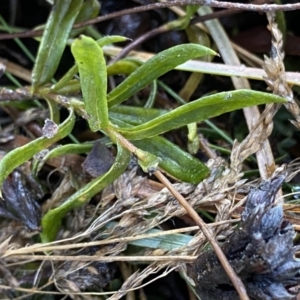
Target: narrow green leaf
193	138
89	10
59	151
161	241
154	68
152	96
111	39
93	78
52	219
17	157
68	87
61	84
190	11
65	80
54	110
134	115
199	110
174	160
58	27
124	66
166	242
147	160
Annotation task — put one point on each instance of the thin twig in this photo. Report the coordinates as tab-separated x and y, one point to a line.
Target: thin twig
237	283
210	3
168	27
141	39
214	15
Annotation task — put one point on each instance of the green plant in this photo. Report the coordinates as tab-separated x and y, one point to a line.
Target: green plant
132	129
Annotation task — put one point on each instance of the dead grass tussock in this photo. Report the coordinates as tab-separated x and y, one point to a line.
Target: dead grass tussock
99	241
129	208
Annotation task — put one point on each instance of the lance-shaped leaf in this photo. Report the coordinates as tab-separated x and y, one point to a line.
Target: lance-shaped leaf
64	81
154	68
52	219
199	110
124	66
58	27
111	39
174	160
134	115
20	155
60	151
156	239
93	78
171	158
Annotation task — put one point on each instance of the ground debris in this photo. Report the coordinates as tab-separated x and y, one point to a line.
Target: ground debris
261	251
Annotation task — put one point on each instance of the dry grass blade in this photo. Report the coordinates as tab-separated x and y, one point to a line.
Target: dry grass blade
208	67
213	192
105	258
16	70
135	280
236	281
275	70
133	208
256	142
52	247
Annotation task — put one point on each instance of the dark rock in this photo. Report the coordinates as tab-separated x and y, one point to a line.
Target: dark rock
261	251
